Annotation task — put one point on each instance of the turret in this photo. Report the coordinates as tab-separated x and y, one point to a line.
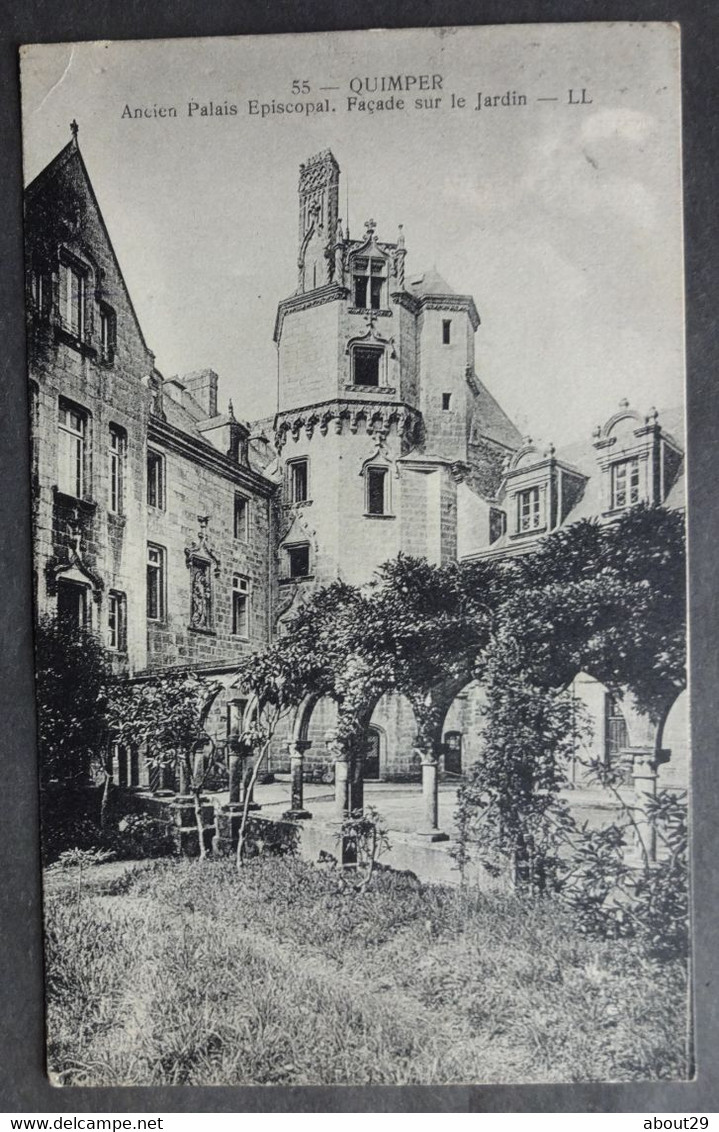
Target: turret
318	200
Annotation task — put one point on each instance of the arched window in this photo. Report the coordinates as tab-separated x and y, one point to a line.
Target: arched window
371	766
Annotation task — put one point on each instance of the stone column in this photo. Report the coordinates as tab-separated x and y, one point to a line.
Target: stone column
645	764
430	797
234	772
182	775
297	759
337	749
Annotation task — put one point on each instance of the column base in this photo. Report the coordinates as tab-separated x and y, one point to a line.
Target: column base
431	834
296	815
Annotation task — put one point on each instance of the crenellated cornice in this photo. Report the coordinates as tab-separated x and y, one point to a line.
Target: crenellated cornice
375	417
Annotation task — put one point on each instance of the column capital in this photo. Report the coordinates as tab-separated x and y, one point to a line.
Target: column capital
426	757
297	747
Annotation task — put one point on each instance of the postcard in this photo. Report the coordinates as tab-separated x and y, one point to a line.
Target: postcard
356	383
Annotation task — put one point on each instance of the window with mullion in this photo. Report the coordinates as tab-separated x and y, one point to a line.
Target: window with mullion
72	439
368	279
528	509
625	483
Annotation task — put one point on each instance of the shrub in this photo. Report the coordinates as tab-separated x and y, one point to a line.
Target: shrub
144	836
610	899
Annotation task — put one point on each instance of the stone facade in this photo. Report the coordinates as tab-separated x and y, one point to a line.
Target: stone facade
151	526
185	536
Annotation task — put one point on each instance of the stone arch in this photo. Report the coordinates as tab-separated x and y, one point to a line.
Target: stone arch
391	713
463	716
674	739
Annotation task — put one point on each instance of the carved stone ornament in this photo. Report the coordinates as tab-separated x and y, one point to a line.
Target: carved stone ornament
73	568
201	549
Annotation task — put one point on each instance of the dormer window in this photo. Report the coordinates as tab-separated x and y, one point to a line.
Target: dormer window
625	483
368	277
528	510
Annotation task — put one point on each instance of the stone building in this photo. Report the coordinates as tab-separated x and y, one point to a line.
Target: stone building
185	536
631	458
151	526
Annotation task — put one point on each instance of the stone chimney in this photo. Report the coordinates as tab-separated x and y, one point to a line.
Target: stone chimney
202	385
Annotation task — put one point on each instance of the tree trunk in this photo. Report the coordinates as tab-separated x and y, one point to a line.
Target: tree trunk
197	799
249	788
105	801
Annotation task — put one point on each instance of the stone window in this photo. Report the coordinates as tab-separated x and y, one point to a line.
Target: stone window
240	606
298	480
366	365
73	298
377	481
446	331
241	517
155	582
200	594
155	480
446	401
41	292
528	510
368	279
117	448
73	604
298	560
625	483
108	334
117	621
72	449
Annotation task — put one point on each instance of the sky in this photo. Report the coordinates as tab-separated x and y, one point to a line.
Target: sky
562	219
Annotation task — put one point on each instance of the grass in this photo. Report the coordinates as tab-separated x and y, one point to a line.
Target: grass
181	972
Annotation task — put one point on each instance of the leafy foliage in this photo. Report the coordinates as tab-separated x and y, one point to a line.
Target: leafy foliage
611	900
71	691
167	716
510	807
362	838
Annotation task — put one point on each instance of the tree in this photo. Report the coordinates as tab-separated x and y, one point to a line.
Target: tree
607	600
510	805
71	691
427	630
167	715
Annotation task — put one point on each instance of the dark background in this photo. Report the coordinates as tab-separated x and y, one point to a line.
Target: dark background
23	1085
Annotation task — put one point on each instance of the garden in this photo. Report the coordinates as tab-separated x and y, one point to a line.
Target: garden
264	968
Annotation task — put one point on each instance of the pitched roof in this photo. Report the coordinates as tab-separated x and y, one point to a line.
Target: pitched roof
491	420
429	283
68	155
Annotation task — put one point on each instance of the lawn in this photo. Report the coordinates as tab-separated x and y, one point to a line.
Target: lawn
184	972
